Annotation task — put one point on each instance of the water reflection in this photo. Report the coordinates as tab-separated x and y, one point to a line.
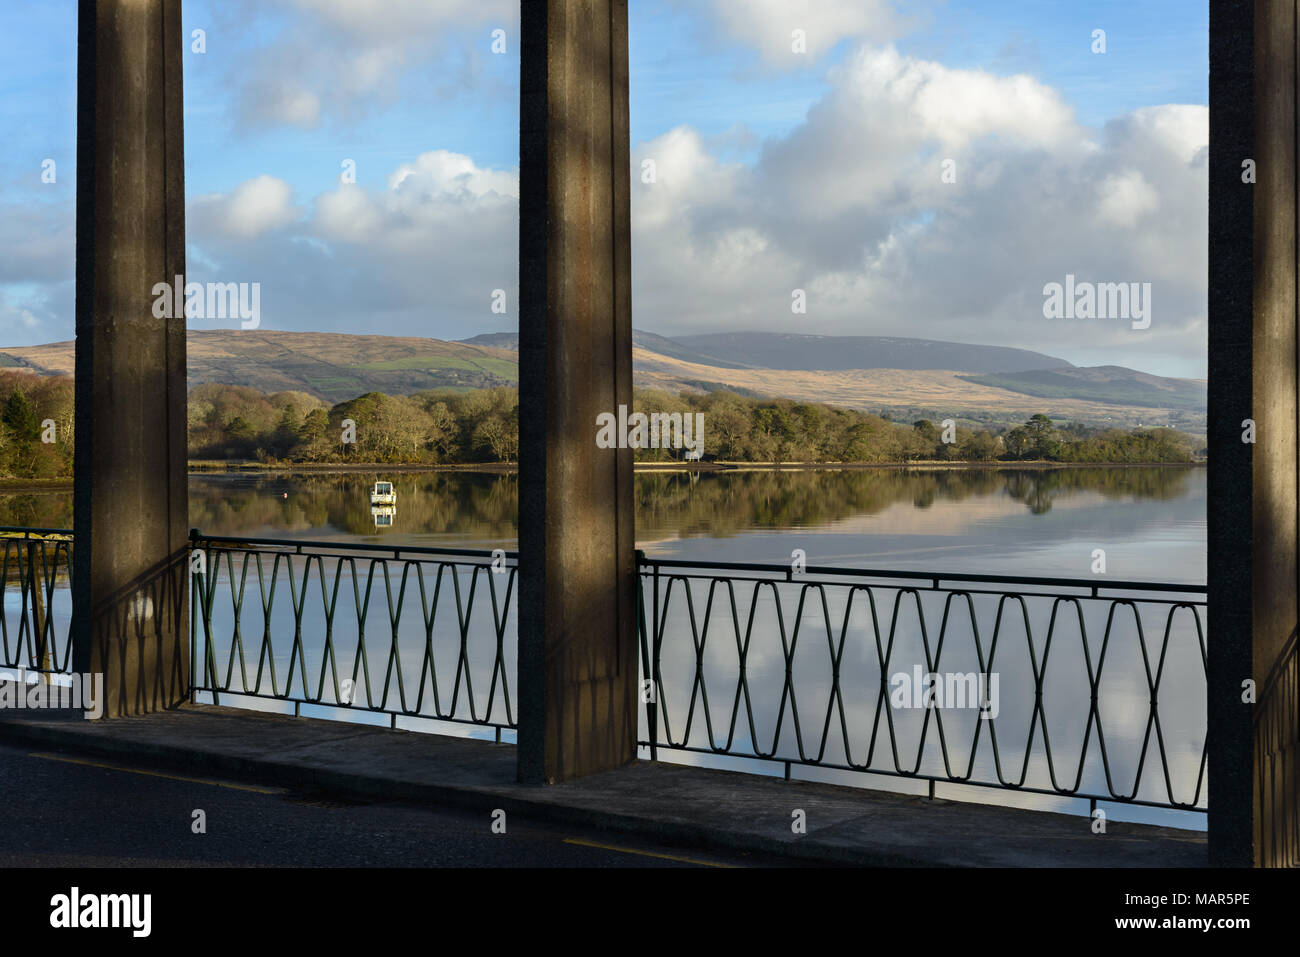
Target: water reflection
463	505
1149	521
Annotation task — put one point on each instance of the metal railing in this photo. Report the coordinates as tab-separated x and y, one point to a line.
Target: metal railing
744	661
37	613
835	652
312	644
1277	758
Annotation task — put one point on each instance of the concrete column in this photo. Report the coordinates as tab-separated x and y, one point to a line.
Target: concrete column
1274	408
1253	519
130	501
577	615
1229	737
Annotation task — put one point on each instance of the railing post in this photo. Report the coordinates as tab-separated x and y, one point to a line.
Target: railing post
654	667
201	607
646	672
194	606
38	609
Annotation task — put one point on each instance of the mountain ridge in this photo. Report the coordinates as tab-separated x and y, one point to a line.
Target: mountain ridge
808	353
800	352
339	366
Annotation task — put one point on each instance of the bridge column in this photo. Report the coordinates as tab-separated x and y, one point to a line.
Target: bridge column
577	624
1253	517
130	501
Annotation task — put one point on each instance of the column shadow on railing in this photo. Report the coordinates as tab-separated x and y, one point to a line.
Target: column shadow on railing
1277	747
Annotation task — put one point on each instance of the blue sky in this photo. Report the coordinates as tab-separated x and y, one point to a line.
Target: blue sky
776	171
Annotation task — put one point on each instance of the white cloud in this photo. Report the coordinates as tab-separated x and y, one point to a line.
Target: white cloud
1125	198
442	173
889	121
255	207
294	107
399	19
768	25
338	59
851	207
21	319
349	214
40	315
421	257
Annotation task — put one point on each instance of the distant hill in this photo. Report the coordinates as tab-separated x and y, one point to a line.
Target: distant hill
770	350
337	367
908	394
494	340
915	377
1103	384
641	340
327	365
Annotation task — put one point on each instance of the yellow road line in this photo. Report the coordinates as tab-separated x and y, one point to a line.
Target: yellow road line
157	774
628	850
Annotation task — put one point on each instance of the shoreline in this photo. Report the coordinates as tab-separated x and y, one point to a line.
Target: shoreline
21	485
351	468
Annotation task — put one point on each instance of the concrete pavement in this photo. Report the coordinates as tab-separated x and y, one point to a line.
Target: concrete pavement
677	805
67	811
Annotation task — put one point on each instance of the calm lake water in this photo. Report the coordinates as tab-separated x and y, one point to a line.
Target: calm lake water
1150	523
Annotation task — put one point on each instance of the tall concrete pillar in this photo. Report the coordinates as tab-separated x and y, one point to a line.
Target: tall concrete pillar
1254	522
130	503
1229	741
577	624
1275	516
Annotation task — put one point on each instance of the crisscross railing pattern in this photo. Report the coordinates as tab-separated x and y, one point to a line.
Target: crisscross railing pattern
296	621
822	668
34	574
1093	689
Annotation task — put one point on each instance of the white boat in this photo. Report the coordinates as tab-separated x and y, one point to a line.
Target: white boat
383	494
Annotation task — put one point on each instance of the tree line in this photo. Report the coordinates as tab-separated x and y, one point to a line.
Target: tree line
440	426
446	426
481	426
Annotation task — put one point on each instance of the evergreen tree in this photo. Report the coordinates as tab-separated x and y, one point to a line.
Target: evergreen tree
21	417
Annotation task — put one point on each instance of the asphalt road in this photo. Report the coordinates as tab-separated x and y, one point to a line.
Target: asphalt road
68	810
